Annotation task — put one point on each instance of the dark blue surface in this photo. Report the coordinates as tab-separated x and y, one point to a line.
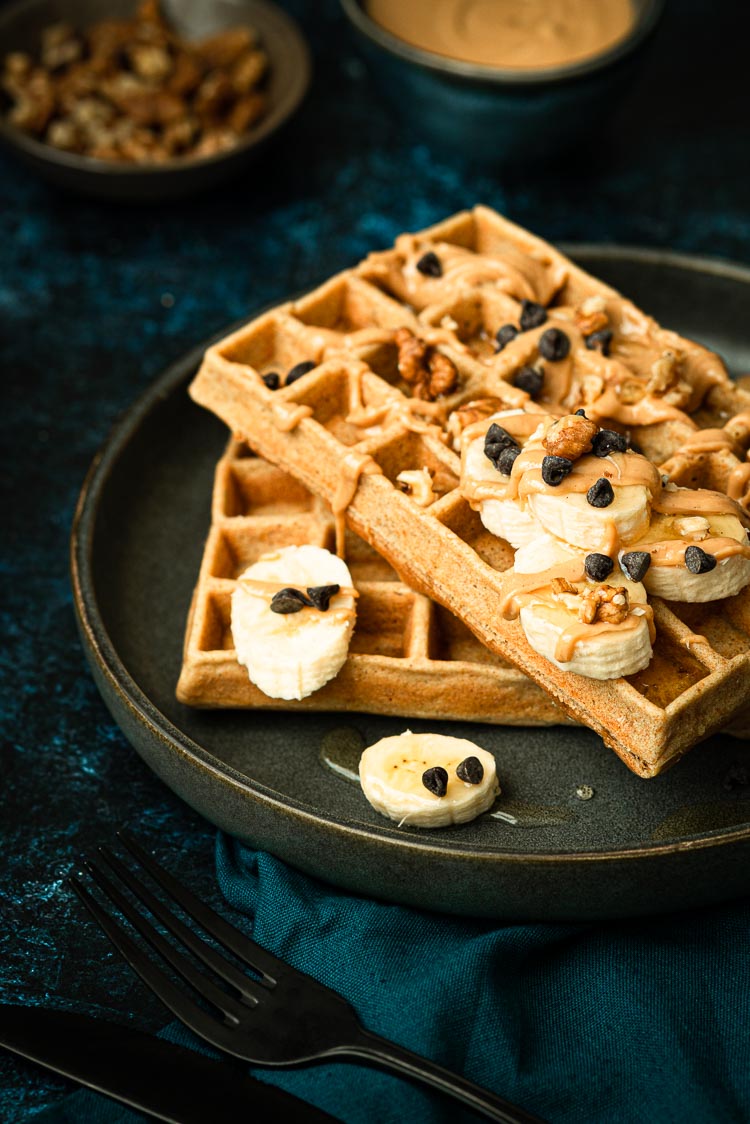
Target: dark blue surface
96	299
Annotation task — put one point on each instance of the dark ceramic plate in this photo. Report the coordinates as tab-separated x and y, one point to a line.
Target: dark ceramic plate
632	847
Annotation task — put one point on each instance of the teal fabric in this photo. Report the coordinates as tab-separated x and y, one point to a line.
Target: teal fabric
633	1021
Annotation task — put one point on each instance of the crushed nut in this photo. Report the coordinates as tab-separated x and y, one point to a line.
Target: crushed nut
591	315
629	392
607	603
570	437
692	527
663	373
417	483
132	90
592	387
560	586
470	412
426	369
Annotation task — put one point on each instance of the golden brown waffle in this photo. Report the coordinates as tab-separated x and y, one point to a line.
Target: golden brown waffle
408	656
350	426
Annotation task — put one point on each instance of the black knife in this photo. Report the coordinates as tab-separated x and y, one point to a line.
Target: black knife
147	1073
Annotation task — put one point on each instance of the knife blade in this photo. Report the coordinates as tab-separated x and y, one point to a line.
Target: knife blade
147	1073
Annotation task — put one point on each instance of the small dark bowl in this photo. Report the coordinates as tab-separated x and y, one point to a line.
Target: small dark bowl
499	115
21	24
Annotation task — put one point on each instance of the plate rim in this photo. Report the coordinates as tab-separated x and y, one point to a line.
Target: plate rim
99	646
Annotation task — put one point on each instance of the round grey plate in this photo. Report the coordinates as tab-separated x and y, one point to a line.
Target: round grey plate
632	846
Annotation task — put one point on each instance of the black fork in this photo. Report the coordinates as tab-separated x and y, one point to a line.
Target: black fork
277	1017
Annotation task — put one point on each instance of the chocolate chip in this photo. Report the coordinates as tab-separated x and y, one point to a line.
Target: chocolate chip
601	493
496	440
554	345
697	561
533	315
505	334
529	379
430	265
598	566
436	780
600	341
608	441
272	380
298	371
320	595
635	564
507	459
289	601
581	414
555	469
471	770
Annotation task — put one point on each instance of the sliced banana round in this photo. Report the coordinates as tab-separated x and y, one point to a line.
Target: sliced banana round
571	517
598	629
509	519
391	772
543	552
668	542
288	655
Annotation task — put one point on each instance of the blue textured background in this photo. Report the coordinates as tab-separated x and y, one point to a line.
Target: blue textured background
95	299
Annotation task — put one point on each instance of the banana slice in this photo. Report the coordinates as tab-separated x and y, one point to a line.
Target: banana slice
668	575
506	518
600	629
543	552
572	518
288	655
391	773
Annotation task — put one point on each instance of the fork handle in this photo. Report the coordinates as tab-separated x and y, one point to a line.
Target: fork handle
387	1055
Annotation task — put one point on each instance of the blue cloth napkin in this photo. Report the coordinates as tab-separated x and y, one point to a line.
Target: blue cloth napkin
631	1021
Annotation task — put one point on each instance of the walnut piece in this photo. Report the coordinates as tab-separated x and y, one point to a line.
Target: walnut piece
606	603
417	483
663	373
560	586
591	315
423	367
570	437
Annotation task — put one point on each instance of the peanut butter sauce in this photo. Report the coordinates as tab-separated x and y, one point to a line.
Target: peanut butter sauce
287	416
352	467
521	34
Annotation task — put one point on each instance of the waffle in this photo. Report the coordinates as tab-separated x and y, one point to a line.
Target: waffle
408	657
350	426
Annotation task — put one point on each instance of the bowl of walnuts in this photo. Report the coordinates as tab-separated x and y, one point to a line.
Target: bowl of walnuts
146	100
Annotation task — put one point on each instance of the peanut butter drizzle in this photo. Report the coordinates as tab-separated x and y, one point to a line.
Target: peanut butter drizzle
738	484
518	585
353	466
578	631
697	501
692	640
287	415
671	552
633	469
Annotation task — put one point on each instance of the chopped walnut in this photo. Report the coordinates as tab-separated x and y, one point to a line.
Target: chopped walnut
663	373
470	412
606	603
426	369
591	315
570	437
560	586
417	483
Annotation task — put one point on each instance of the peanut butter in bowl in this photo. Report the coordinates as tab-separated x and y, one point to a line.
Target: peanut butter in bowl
508	34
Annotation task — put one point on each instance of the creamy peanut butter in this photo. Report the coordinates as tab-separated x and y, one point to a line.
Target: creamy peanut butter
519	34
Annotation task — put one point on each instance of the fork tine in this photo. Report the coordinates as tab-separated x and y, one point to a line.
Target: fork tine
188	1012
206	988
244	948
212	959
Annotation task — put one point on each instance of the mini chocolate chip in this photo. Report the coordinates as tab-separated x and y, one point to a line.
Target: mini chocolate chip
697	561
320	595
289	601
430	265
598	566
436	780
555	469
533	315
298	371
635	564
608	441
554	345
272	379
497	439
581	414
507	459
529	379
471	770
600	341
505	334
601	493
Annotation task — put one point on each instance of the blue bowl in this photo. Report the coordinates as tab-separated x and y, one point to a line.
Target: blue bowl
494	114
